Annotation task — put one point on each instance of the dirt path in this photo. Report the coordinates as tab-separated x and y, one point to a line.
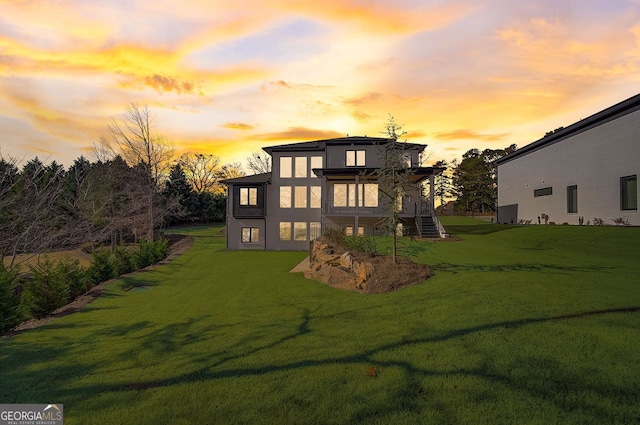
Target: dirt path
179	246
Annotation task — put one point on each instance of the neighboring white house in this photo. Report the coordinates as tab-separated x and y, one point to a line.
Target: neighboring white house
585	171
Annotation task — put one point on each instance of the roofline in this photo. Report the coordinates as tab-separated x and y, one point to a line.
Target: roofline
609	114
252	179
320	145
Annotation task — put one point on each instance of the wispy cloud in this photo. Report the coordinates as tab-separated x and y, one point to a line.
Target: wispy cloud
237	126
470	135
298	133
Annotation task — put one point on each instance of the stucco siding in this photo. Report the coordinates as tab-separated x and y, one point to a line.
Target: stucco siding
593	160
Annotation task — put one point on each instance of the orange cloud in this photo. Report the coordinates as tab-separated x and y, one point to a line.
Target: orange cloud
298	133
237	126
470	135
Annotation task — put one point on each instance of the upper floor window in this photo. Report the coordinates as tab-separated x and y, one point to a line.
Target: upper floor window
300	198
316	162
344	195
301	167
285	167
355	158
629	193
285	196
248	196
406	160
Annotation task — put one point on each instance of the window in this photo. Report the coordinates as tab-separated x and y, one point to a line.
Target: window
316	162
285	167
572	199
406	159
339	195
250	234
344	195
248	196
355	158
285	231
300	197
629	193
315	200
369	195
300	231
285	196
315	230
301	167
348	231
546	191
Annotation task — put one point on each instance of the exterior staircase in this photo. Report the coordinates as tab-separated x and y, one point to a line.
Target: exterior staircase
427	227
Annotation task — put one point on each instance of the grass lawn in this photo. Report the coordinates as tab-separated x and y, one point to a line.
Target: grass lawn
519	325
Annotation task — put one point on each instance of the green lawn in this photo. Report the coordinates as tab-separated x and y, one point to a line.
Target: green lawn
519	325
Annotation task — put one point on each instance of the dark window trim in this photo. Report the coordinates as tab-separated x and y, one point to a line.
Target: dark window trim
623	181
545	191
248	189
570	204
250	234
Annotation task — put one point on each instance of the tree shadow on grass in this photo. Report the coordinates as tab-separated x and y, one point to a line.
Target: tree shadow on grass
537	268
217	363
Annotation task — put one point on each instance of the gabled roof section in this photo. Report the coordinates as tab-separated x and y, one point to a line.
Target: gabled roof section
616	111
321	145
253	179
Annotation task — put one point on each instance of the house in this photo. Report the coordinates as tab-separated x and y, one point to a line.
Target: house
576	174
321	184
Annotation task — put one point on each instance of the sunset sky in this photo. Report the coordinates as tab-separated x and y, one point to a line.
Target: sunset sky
230	77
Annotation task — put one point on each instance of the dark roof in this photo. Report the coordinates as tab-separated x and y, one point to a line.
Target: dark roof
616	111
255	179
320	145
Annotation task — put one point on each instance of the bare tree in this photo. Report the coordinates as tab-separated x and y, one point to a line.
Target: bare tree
137	143
392	179
202	171
29	222
259	163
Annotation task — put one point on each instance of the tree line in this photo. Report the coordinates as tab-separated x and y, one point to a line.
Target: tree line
472	182
135	186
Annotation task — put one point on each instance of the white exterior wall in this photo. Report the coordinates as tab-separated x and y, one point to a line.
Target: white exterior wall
593	160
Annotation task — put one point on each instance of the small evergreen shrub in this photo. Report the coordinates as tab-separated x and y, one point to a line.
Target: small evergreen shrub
69	269
149	253
48	289
9	303
101	268
122	261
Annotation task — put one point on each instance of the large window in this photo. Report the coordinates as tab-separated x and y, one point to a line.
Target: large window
300	231
572	199
285	231
316	162
301	167
629	193
315	200
355	158
545	191
344	195
300	200
285	196
250	234
285	167
248	196
348	231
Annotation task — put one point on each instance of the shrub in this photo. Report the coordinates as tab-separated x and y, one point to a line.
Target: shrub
620	221
122	261
48	289
9	303
101	268
151	252
366	244
69	270
335	236
597	221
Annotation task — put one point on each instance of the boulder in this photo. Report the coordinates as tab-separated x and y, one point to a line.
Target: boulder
365	271
346	260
